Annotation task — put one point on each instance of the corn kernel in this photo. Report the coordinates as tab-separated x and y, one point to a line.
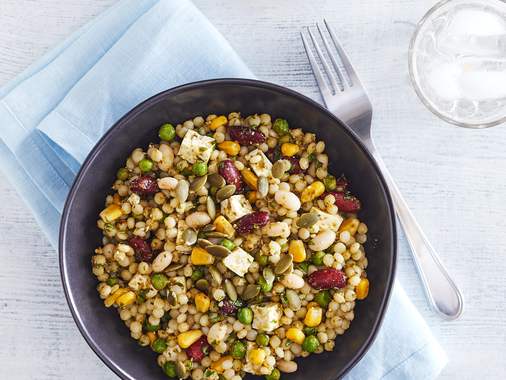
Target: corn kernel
217	122
295	335
109	301
297	250
350	225
312	191
202	302
126	299
218	365
313	315
362	289
116	199
231	148
256	356
224	226
200	256
187	338
111	213
151	336
250	178
252	196
289	149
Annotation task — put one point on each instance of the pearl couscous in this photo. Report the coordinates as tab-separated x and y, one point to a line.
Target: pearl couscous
229	249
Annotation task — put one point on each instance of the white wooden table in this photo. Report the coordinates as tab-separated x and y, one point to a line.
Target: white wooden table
454	179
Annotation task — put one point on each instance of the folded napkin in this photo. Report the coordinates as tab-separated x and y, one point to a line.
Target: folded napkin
52	114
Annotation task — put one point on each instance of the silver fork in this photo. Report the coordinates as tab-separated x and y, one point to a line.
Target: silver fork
350	103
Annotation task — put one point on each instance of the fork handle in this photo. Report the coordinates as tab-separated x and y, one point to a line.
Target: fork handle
443	294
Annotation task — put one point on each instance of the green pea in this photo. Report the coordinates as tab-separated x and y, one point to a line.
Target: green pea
159	345
197	274
317	258
167	132
262	339
122	174
145	165
274	375
245	315
229	244
170	369
330	183
304	267
264	285
111	281
262	260
199	168
238	350
280	126
149	327
309	331
159	281
323	298
310	344
284	139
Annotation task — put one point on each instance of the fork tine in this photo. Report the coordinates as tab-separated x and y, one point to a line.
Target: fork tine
342	79
325	64
322	85
344	58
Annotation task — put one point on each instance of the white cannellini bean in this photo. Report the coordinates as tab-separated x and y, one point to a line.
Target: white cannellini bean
167	183
288	200
277	229
292	281
323	240
287	366
198	219
162	261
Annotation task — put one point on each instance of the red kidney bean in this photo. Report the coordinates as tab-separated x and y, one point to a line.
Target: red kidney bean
327	278
250	222
246	136
232	176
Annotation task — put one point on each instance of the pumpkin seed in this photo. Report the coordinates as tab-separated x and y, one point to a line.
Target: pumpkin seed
202	284
230	289
211	208
181	371
218	250
263	187
174	267
203	243
307	220
293	299
198	183
225	192
190	236
279	168
269	276
208	228
283	264
215	275
216	234
251	291
182	190
216	180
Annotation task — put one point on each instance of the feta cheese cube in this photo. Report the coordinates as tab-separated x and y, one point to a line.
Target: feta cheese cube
238	261
327	221
196	147
236	207
259	163
266	317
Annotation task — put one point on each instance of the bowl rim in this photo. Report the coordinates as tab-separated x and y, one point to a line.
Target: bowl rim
73	305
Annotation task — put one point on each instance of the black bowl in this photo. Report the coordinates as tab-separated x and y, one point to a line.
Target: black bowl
79	236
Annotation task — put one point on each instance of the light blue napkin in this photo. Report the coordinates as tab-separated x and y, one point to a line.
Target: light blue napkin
52	114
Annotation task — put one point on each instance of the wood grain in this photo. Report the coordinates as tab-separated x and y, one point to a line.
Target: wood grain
454	179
